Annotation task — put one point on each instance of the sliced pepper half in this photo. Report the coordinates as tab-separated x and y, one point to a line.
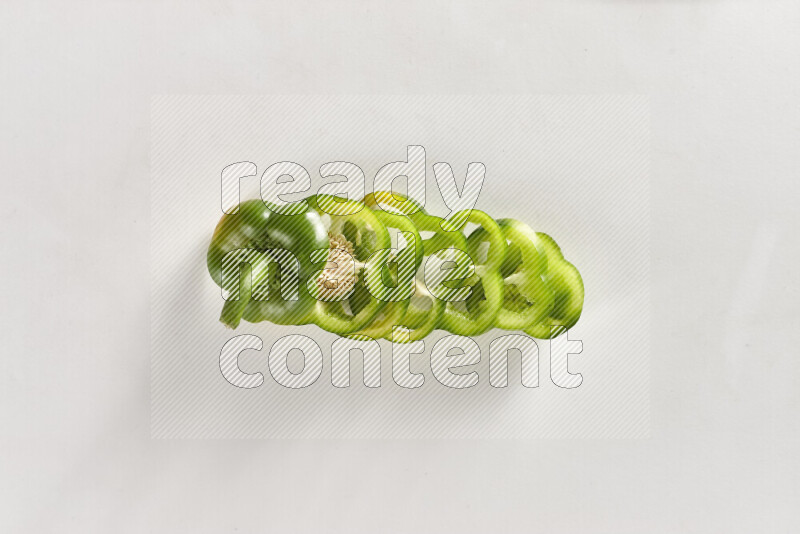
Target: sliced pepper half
256	228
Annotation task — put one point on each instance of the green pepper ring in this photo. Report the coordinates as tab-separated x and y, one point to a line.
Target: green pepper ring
569	293
333	316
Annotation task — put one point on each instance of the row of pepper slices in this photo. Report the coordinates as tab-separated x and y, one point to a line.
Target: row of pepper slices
329	261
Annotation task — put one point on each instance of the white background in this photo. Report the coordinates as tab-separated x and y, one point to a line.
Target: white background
75	448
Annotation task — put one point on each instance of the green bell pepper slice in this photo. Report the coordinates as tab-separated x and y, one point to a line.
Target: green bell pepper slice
393	312
567	285
528	297
360	233
478	313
